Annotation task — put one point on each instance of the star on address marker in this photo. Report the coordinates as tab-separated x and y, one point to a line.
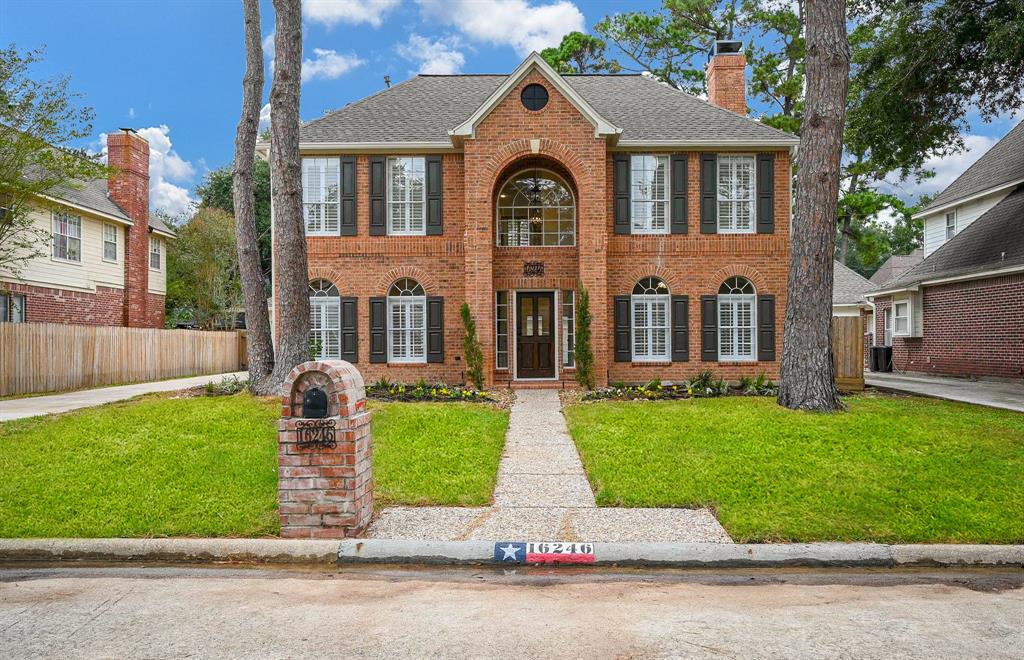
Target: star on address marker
510	551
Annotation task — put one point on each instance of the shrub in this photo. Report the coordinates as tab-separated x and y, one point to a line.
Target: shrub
227	385
471	350
584	351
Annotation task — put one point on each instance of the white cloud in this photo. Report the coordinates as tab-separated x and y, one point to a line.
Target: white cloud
165	168
946	168
268	46
354	12
264	119
438	57
131	113
327	64
521	24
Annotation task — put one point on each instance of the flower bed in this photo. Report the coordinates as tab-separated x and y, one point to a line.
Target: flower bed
704	384
384	390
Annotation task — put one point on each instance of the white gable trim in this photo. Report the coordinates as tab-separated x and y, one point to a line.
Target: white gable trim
601	125
969	198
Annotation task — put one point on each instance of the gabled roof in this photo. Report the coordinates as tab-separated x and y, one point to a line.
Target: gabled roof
992	242
1001	166
422	110
896	265
848	286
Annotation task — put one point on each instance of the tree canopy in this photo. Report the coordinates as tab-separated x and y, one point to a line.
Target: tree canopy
215	193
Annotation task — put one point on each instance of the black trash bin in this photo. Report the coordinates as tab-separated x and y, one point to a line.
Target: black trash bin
880	359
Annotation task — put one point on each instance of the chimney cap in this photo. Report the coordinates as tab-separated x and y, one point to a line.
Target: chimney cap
128	130
726	47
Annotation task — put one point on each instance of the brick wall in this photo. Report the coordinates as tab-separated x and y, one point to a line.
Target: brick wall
973	328
46	305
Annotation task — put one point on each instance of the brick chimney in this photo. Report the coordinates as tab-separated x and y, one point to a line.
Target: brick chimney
726	76
128	154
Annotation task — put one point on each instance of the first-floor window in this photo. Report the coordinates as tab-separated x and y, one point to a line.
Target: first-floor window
407	195
324	320
901	318
501	329
736	194
67	236
12	308
407	328
155	251
650	302
568	329
736	322
887	321
109	242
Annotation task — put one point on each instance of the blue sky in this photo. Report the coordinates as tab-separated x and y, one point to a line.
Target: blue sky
172	68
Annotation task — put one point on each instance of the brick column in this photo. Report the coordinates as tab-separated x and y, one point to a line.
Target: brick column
128	154
325	487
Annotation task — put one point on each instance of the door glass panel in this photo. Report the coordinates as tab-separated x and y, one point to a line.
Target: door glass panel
526	314
543	316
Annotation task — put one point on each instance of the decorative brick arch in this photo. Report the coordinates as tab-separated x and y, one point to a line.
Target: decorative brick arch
412	272
714	281
662	273
508	154
330	274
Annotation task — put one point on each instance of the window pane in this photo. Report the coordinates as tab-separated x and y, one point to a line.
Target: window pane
568	329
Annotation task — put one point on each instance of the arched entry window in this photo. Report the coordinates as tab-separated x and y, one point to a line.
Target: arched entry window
737	325
324	320
536	207
650	316
407	329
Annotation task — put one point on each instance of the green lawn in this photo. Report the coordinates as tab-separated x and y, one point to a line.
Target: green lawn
890	469
207	466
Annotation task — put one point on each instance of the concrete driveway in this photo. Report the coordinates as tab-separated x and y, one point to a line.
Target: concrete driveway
995	394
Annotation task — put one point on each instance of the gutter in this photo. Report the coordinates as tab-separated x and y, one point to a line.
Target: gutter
946	280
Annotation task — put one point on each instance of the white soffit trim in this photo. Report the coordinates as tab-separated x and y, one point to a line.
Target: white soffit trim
945	280
86	209
161	232
370	147
534	61
969	198
781	143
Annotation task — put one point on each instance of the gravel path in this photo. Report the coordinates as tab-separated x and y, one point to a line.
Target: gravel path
543	494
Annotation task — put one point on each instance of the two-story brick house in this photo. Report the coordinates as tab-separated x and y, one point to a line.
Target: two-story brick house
511	192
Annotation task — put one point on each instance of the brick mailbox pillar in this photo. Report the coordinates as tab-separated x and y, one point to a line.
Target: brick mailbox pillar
324	447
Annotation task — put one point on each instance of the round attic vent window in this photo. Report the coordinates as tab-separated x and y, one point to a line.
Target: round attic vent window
534	97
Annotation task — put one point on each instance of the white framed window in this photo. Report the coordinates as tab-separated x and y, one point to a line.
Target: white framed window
901	318
324	320
321	206
737	323
407	322
887	324
568	302
67	237
501	329
650	316
12	308
109	242
736	192
649	177
950	225
155	252
536	208
407	196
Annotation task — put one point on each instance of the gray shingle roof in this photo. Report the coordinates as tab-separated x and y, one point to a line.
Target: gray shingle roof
1000	165
848	286
896	265
425	108
91	195
993	241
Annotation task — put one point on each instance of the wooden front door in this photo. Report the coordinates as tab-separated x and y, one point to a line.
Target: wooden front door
535	335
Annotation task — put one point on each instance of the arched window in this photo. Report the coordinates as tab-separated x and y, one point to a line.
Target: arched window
737	325
407	327
324	320
536	207
650	307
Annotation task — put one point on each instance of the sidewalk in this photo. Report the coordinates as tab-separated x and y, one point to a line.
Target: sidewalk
57	403
994	394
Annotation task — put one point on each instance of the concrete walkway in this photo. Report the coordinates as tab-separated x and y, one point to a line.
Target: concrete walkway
543	494
33	406
994	394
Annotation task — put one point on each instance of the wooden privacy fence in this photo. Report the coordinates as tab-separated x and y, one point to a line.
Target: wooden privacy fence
848	352
51	357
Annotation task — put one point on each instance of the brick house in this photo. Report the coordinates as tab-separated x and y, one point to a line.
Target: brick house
960	311
105	262
511	192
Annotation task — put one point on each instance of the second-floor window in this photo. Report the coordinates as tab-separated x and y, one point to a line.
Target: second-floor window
109	243
155	253
736	194
950	225
407	195
321	178
536	208
649	194
67	237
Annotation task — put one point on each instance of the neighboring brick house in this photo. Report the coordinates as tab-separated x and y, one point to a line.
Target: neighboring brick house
105	262
960	311
511	192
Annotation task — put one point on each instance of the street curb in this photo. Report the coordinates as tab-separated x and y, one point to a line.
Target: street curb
387	551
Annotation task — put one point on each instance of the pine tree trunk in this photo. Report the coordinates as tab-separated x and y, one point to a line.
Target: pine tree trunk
260	344
808	376
292	276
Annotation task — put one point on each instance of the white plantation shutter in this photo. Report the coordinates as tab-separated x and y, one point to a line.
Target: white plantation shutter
408	329
736	192
736	327
407	195
650	327
321	178
325	327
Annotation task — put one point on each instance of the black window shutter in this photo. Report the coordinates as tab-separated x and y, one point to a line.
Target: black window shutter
709	328
621	185
378	329
766	328
435	329
349	329
680	328
435	196
708	194
348	196
623	336
378	226
680	178
765	193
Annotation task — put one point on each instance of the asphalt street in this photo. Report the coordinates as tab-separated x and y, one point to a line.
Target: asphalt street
172	612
